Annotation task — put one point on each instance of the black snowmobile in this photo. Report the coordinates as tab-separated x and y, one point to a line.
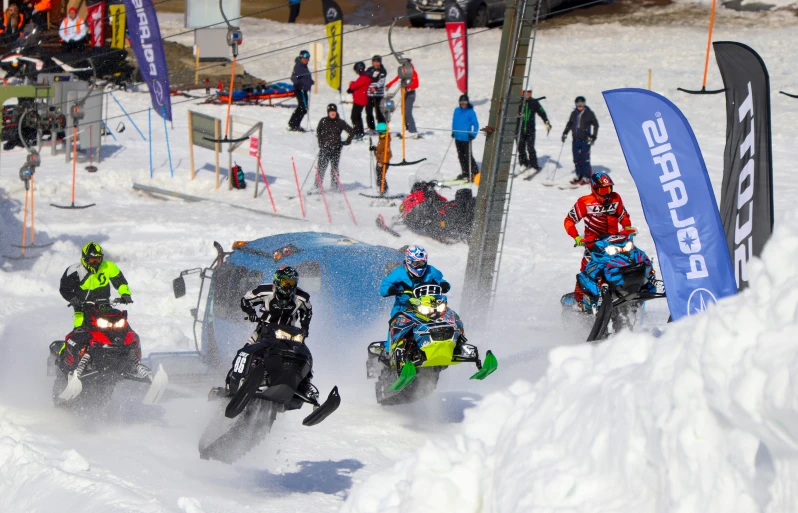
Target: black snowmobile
425	212
28	57
264	380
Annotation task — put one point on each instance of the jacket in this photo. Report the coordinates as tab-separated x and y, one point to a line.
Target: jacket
464	123
579	124
78	282
377	87
379	152
412	86
601	217
359	89
42	6
526	113
72	30
301	77
329	131
400	279
15	29
277	312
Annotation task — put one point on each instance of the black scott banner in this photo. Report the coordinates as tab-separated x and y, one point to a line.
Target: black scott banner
746	203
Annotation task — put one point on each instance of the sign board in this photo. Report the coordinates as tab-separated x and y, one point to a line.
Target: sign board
254	146
204	127
205	13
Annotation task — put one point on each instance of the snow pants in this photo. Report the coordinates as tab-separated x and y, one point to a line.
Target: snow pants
301	109
382	178
578	294
527	156
466	157
374	105
331	156
357	119
410	100
581	150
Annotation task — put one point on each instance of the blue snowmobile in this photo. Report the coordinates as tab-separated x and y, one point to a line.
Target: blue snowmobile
616	281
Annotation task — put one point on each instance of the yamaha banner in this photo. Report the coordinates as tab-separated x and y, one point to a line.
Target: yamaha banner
667	166
458	43
746	201
334	19
145	38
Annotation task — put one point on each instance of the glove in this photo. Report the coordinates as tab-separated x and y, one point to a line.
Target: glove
394	290
579	241
125	299
347	142
348	91
590	141
445	287
452	135
564	136
372	148
631	229
75	303
252	316
548	127
471	137
305	332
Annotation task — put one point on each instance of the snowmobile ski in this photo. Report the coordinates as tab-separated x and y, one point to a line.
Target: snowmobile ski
73	389
383	196
488	367
325	410
383	226
159	383
245	393
406	377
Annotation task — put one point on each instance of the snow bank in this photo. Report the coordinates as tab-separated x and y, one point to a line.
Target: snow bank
643	424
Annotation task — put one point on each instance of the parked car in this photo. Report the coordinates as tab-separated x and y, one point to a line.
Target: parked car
480	13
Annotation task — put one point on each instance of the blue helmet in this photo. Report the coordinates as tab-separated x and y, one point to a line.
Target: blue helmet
304	54
416	261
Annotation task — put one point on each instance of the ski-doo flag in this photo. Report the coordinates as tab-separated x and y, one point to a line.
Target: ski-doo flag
96	21
458	43
746	201
145	38
116	17
334	18
667	166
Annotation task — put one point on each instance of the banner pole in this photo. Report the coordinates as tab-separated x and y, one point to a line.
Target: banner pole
128	116
196	66
168	149
149	124
298	190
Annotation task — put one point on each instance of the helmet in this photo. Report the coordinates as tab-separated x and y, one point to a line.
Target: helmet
416	261
285	281
377	58
304	54
332	106
382	128
601	183
463	98
92	256
580	100
360	67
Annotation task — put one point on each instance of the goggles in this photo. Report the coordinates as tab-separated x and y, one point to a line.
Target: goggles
604	191
580	104
418	264
287	283
94	260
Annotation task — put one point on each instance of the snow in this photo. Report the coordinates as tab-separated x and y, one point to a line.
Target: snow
659	425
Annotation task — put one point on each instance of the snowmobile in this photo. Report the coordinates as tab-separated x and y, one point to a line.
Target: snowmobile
112	355
425	340
428	213
28	57
616	281
264	380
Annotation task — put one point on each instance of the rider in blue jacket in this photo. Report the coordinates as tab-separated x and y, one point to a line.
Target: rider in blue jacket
414	273
465	128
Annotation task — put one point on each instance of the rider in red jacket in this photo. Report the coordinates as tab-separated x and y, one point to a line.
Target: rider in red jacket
359	91
603	213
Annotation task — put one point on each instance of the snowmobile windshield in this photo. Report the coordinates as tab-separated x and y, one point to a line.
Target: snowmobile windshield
30	36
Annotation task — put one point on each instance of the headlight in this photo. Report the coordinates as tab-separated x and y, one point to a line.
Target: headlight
120	323
628	247
425	310
441	308
612	250
298	338
284	335
103	323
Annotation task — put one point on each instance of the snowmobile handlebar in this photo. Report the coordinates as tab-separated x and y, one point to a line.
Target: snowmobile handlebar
115	301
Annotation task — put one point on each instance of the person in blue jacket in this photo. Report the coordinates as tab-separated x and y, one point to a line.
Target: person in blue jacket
302	82
464	130
414	273
294	6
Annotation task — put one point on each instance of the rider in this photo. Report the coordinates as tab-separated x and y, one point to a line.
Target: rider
90	281
414	273
282	303
603	213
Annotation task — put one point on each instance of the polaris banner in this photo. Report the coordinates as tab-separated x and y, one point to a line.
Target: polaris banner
458	44
95	18
334	19
746	201
145	38
666	163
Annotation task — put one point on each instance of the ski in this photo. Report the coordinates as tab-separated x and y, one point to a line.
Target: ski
533	175
569	186
383	226
382	196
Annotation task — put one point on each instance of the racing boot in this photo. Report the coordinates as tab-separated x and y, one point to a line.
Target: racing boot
142	372
308	389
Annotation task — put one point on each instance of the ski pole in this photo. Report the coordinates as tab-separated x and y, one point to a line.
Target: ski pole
446	153
309	171
557	163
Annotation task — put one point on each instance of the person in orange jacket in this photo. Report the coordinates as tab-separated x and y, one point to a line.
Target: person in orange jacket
410	100
13	21
37	11
73	31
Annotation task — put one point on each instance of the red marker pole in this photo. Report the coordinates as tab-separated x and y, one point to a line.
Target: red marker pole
341	186
323	196
298	190
266	181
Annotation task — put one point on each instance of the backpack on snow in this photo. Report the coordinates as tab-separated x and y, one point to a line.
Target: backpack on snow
238	178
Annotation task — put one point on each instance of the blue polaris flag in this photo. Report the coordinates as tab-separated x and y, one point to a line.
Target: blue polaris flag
666	163
145	38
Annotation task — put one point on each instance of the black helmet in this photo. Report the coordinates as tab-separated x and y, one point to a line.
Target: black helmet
92	256
304	54
285	281
463	98
360	67
377	58
580	99
332	107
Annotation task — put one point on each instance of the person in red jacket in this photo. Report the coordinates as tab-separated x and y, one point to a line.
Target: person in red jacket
410	99
359	91
603	213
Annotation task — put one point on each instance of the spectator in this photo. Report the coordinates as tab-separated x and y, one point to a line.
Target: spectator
13	21
579	124
302	83
328	133
73	32
294	6
409	101
376	92
527	156
359	91
464	130
37	12
382	152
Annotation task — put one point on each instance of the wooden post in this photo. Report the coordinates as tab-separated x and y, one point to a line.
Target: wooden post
217	127
315	48
649	79
196	66
191	142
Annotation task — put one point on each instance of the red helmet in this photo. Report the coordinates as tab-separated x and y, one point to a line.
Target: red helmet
601	183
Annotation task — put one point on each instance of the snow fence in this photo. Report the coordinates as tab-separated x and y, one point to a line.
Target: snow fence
702	419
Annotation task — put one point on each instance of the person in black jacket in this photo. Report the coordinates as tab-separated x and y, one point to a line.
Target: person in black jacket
580	124
376	92
527	156
328	133
302	82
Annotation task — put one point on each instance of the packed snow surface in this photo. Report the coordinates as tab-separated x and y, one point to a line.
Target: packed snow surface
699	419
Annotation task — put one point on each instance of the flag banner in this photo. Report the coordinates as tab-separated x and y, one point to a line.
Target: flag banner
95	17
116	20
456	32
334	18
145	39
666	164
746	201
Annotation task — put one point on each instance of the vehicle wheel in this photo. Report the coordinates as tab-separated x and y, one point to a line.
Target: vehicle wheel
481	17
